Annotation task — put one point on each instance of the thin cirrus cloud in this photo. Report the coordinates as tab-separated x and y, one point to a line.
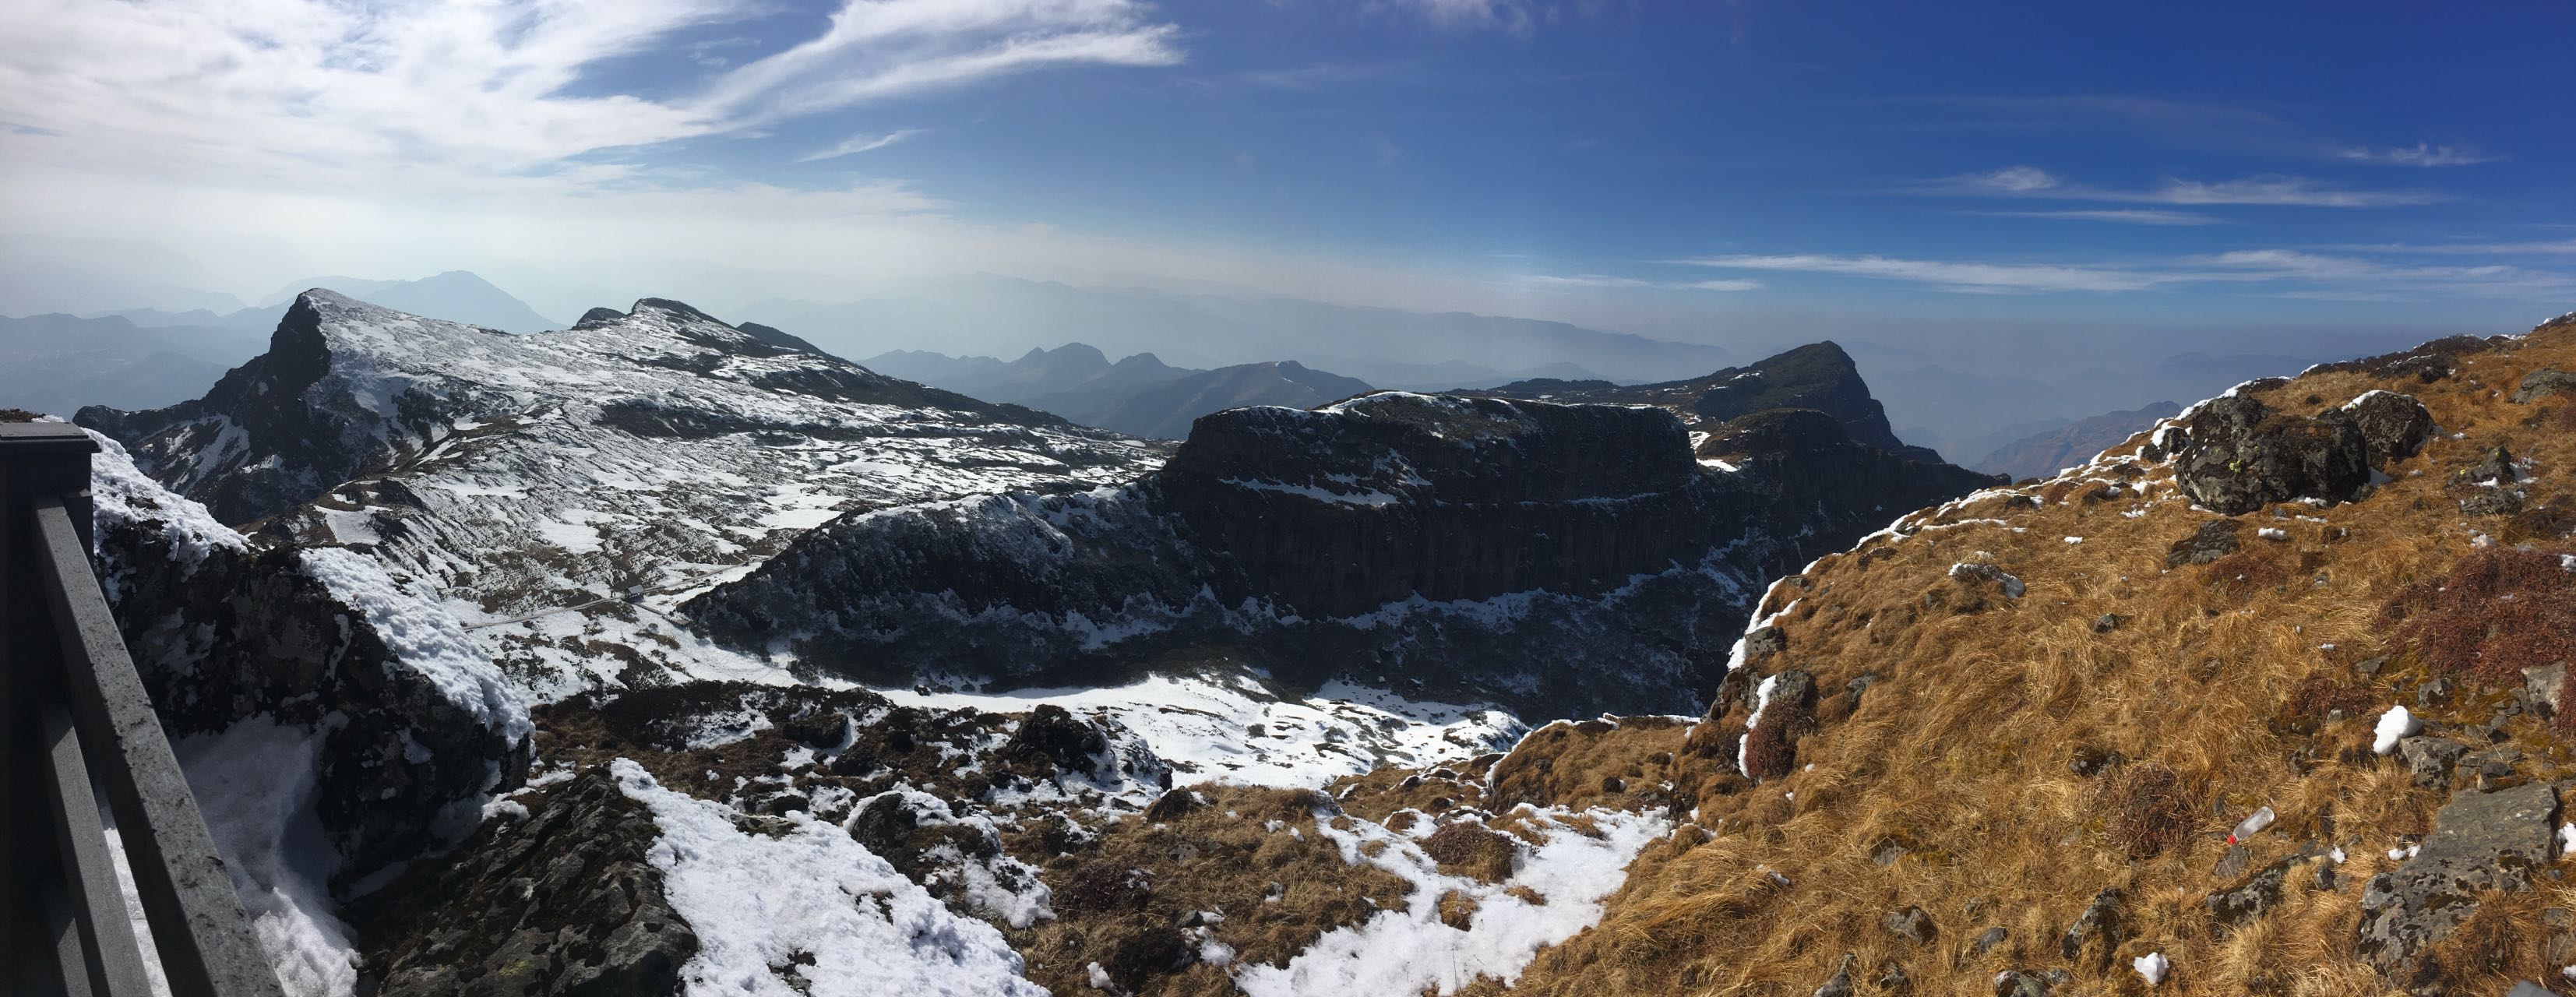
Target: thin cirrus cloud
1590	281
2421	155
856	144
2125	216
307	90
2301	273
2267	189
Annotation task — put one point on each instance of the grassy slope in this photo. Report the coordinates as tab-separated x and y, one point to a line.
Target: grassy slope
1960	753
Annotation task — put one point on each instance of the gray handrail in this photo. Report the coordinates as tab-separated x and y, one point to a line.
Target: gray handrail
75	718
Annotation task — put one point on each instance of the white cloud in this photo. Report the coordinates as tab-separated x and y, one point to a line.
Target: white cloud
2129	216
2269	189
1591	280
856	144
2316	275
297	92
2421	155
2014	180
1506	15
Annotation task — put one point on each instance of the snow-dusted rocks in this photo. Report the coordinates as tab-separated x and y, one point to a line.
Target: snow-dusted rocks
1559	560
557	493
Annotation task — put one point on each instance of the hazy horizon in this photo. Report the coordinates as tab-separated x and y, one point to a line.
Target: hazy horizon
2036	195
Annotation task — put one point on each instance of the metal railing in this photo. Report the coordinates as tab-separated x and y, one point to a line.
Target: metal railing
76	727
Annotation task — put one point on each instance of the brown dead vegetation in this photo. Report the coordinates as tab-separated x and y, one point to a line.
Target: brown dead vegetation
1955	783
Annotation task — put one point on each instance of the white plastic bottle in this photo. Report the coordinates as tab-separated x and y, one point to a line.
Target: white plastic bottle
2246	828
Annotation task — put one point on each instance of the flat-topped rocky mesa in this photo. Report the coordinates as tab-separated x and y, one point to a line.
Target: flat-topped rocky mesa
1557	559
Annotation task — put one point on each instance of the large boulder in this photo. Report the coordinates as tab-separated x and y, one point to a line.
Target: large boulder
2480	842
2241	456
2543	383
2393	426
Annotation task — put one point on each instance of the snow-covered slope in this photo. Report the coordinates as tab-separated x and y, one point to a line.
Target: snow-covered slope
557	492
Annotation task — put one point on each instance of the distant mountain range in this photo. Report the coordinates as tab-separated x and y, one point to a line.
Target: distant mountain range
1140	395
149	357
2043	453
1002	316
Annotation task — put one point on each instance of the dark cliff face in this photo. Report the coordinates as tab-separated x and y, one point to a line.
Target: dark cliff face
1558	559
1818	376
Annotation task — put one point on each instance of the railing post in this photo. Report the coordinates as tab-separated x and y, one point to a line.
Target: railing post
36	459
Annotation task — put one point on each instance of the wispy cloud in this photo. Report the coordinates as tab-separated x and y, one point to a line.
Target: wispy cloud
2563	247
2313	274
1593	280
1507	15
2268	189
2126	216
460	91
2421	155
856	144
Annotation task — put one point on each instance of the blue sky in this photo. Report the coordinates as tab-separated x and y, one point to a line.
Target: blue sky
1702	171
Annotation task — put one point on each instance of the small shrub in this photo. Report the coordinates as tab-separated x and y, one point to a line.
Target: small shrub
2317	697
2241	574
1467	848
2151	811
2493	614
1104	885
1772	751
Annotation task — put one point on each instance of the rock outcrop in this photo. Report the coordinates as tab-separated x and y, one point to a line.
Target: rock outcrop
2480	842
1557	558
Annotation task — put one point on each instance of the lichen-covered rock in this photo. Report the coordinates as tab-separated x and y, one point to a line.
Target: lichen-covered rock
2393	426
2249	898
2431	758
2543	383
2215	539
2241	456
564	904
2097	932
2480	842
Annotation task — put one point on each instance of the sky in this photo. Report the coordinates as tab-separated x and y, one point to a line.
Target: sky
1954	176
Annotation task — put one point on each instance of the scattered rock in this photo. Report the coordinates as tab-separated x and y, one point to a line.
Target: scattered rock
2431	758
2106	623
1986	942
2393	426
2242	456
2544	684
2096	932
1171	806
2434	693
2497	466
1839	984
1977	574
2252	896
2215	539
2527	988
2480	841
1892	979
2026	983
2492	502
2369	667
1051	734
2090	761
2543	383
1910	923
1764	643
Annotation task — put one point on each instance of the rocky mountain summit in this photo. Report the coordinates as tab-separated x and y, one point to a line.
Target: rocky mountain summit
1558	559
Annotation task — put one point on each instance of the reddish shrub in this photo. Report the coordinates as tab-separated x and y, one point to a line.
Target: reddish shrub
2493	614
2243	573
1772	750
2317	697
2150	811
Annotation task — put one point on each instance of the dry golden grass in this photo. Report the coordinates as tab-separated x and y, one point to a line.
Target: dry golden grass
1950	787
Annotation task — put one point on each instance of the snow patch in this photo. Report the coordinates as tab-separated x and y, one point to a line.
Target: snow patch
423	638
759	901
254	783
2395	725
1410	951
